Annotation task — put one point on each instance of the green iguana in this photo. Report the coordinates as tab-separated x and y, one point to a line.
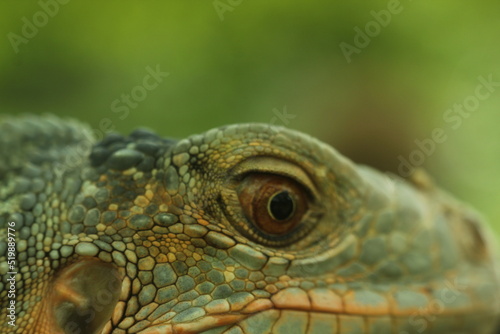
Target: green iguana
247	229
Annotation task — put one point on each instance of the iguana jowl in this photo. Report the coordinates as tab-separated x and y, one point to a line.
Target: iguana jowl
244	229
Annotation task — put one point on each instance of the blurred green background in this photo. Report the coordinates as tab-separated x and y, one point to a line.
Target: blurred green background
232	61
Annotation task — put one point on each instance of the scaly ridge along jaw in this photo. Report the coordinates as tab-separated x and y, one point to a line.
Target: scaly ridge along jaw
83	297
320	308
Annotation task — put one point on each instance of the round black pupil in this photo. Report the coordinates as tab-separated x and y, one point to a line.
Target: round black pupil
281	206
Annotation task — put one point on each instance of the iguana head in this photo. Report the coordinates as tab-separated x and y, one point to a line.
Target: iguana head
259	229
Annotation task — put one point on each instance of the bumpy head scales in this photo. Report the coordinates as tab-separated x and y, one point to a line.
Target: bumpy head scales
243	229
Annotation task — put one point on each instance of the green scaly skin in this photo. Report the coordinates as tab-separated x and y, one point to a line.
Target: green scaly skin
141	234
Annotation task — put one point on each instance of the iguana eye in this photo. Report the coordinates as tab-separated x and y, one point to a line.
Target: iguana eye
270	201
273	203
281	206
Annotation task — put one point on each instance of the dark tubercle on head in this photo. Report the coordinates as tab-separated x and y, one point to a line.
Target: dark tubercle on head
140	150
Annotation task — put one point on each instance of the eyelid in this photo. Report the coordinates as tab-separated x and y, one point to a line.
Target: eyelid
264	164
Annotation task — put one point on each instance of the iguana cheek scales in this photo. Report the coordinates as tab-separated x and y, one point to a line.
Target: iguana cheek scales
245	229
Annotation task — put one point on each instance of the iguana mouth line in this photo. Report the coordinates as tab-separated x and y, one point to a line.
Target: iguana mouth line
216	321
